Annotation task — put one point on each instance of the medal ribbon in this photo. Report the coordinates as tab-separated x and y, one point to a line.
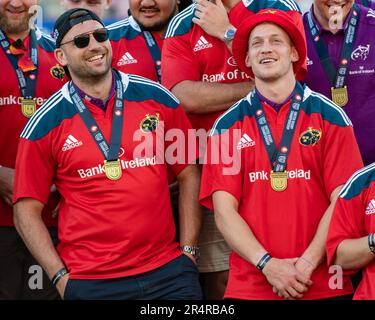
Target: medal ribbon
336	77
278	158
154	51
27	85
110	152
365	3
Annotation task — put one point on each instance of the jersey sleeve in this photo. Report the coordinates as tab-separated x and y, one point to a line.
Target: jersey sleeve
221	168
346	223
178	62
35	170
341	156
181	145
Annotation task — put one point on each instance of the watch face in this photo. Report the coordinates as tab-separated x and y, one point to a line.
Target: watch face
230	34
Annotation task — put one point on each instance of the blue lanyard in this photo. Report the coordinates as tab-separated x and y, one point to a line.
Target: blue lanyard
365	3
278	158
110	152
336	77
27	85
154	51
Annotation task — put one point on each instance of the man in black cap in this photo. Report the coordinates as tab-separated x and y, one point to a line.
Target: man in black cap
116	230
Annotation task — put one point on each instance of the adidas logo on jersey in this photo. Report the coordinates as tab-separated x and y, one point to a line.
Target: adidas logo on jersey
371	207
202	44
245	142
127	58
71	143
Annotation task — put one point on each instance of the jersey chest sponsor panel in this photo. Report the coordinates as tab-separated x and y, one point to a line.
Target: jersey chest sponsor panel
284	222
359	79
12	121
127	209
354	218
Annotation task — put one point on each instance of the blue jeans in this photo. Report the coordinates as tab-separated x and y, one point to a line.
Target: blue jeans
176	280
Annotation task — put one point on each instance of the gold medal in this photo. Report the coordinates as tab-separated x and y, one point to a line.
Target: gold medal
340	96
113	169
28	107
279	180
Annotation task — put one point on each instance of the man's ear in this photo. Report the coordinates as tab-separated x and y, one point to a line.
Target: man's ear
247	60
109	3
60	57
294	54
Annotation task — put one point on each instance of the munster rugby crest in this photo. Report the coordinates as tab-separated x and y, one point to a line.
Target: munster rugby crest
150	123
57	72
310	137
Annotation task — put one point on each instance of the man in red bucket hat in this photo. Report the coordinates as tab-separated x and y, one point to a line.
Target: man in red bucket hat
292	150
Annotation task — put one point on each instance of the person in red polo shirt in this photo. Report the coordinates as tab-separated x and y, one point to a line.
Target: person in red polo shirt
291	150
104	139
30	74
351	235
199	68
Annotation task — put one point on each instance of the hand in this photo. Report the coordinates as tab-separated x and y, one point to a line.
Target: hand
61	285
212	18
285	279
305	267
6	185
192	258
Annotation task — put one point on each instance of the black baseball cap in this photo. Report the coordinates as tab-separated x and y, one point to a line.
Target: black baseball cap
69	19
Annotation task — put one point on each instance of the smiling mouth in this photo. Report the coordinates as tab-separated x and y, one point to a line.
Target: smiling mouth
267	60
96	58
16	11
149	11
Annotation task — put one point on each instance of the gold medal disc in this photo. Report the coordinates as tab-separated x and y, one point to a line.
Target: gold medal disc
113	169
28	107
340	96
279	180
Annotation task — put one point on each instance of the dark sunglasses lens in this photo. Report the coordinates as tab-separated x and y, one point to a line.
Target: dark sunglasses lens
100	35
82	41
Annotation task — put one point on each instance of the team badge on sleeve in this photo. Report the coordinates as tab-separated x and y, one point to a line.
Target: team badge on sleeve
57	72
150	123
310	137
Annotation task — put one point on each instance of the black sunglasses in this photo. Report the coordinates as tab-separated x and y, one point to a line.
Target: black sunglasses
83	40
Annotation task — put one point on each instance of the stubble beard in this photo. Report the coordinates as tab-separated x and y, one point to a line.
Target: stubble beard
159	25
15	26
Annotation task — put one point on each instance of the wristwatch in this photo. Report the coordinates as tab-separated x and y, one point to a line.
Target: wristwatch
371	242
229	34
193	250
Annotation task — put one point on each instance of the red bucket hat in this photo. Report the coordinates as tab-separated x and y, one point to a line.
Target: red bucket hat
290	21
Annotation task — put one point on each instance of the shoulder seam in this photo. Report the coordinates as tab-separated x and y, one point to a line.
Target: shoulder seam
119	24
345	189
333	106
176	21
235	106
138	79
51	103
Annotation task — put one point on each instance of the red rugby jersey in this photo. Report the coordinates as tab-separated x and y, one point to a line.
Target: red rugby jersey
283	222
353	218
11	118
107	229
